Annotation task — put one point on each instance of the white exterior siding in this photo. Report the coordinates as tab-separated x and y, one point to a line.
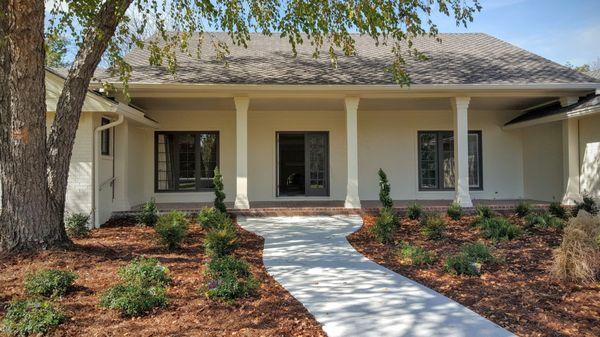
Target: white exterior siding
589	149
543	162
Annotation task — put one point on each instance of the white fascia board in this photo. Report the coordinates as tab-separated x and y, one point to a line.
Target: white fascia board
135	115
554	118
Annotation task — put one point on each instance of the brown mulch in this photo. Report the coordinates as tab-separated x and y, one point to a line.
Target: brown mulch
271	312
518	293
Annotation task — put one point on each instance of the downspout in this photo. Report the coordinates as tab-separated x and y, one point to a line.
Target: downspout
97	132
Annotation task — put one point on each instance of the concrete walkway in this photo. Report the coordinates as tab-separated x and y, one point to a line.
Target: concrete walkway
349	294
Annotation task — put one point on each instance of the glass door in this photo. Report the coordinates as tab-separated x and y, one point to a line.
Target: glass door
317	164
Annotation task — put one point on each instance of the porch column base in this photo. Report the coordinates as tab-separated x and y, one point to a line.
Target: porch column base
241	202
463	200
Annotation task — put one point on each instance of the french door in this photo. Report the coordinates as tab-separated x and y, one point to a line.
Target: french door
303	163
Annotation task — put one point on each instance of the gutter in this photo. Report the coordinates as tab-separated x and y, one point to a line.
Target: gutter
96	151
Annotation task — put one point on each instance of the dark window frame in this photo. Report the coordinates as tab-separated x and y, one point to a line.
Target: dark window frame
327	164
175	190
105	135
439	176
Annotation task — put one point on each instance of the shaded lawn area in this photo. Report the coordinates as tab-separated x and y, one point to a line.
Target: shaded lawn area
271	312
518	293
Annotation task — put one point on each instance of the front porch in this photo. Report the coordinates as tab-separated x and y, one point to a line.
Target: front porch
333	207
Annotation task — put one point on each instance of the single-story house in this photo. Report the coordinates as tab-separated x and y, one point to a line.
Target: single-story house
481	120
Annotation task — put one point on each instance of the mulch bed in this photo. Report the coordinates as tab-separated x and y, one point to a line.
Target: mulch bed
271	312
518	294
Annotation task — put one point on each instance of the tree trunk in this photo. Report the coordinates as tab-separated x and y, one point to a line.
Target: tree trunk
24	219
70	102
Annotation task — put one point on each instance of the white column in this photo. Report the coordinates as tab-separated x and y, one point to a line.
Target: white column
352	198
460	107
570	137
241	138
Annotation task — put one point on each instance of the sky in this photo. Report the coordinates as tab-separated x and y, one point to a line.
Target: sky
560	30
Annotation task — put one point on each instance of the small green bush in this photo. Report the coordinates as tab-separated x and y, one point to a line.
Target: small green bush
543	220
558	210
133	299
478	252
385	226
211	218
49	282
28	317
455	212
588	204
149	214
219	192
484	211
76	225
414	211
172	229
523	208
499	229
229	278
415	255
220	242
461	264
433	226
145	272
384	190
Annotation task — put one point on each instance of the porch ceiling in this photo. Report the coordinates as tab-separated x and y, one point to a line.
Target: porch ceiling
335	104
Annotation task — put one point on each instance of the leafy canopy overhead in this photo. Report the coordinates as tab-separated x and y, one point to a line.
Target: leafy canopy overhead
165	27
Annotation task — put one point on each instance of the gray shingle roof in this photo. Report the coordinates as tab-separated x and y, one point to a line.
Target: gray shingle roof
469	58
595	74
590	102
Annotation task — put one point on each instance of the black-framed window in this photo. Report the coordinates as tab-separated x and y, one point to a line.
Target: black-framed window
436	160
105	138
185	161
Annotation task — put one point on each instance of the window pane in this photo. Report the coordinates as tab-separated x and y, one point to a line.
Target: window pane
447	144
165	159
208	159
187	162
428	157
474	179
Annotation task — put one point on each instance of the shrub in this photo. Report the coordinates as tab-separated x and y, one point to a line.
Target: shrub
588	204
384	190
455	212
484	212
133	299
385	225
229	278
76	225
478	252
149	214
145	272
219	194
211	218
220	242
578	257
49	282
433	226
172	229
543	220
415	255
499	229
461	264
28	317
414	211
558	210
523	208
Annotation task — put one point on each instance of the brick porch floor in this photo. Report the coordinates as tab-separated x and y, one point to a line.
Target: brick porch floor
330	207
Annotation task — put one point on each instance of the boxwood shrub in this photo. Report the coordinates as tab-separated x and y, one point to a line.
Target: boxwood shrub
146	272
49	282
220	242
133	299
229	278
172	229
385	226
31	316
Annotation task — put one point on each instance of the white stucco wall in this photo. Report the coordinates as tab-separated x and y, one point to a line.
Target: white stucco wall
589	154
388	139
543	162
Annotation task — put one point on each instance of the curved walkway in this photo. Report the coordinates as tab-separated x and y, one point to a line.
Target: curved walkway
349	294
